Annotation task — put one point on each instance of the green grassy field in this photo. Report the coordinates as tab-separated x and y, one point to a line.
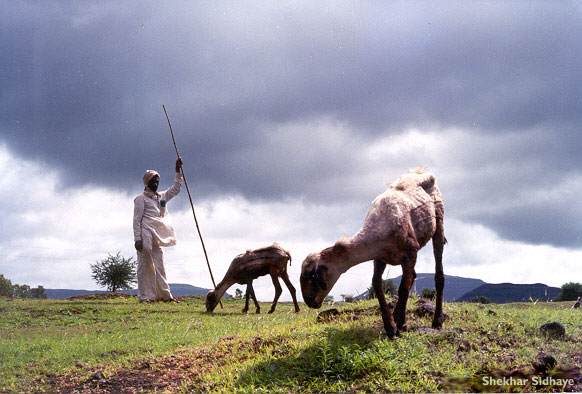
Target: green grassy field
120	346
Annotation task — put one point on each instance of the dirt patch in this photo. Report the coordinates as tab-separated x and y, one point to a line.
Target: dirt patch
541	375
100	296
334	314
166	373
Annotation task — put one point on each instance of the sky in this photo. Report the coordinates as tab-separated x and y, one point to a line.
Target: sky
291	116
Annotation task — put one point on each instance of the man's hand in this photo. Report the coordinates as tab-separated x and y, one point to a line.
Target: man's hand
178	164
139	245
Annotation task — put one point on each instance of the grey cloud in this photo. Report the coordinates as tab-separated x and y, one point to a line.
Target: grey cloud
522	185
82	88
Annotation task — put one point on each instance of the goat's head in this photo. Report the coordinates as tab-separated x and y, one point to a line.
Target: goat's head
211	301
317	278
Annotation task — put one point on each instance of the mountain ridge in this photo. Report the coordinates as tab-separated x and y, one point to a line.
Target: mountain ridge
178	290
501	293
461	289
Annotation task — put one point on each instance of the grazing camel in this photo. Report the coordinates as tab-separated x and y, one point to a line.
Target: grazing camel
400	222
271	260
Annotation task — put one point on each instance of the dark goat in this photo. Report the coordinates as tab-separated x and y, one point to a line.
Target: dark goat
271	260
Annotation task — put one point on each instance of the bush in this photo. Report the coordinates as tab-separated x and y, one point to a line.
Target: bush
427	293
21	291
115	272
481	300
570	292
38	293
5	286
7	289
389	288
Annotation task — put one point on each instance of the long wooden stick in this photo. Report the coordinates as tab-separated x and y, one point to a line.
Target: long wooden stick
191	204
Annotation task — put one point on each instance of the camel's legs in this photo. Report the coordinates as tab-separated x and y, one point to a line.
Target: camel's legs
439	279
408	275
386	311
278	291
252	293
285	278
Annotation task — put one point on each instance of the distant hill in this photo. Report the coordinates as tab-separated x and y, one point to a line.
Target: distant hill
455	286
178	290
510	292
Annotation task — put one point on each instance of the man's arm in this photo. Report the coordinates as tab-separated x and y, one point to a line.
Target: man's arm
177	186
138	208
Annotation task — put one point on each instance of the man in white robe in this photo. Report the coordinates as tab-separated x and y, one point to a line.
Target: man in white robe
152	231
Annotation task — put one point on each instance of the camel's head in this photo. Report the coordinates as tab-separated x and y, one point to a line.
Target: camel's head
317	278
211	301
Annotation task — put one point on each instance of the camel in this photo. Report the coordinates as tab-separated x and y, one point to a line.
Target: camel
399	223
244	268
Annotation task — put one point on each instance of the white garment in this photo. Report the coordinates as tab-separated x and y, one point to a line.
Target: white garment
151	226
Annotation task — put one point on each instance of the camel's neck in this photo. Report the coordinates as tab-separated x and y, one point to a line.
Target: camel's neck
357	251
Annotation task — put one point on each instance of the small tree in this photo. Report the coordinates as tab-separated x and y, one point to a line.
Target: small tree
5	286
115	272
570	292
238	293
427	293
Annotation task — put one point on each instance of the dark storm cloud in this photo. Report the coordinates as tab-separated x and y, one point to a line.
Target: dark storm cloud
82	87
524	185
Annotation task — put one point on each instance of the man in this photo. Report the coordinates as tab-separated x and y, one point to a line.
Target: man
152	231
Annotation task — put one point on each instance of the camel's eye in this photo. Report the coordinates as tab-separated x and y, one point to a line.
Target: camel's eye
319	277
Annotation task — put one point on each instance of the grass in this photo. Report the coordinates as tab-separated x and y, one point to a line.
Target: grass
119	345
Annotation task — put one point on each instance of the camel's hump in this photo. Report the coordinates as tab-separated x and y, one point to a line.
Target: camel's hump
415	178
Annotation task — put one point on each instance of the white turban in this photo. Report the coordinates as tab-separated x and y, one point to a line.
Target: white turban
149	174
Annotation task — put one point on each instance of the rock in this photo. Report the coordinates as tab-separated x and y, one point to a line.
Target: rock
426	309
80	364
97	376
327	314
553	330
544	362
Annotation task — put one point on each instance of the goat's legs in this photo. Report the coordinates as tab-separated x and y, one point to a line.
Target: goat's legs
438	243
278	292
387	318
408	275
251	291
285	278
247	295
